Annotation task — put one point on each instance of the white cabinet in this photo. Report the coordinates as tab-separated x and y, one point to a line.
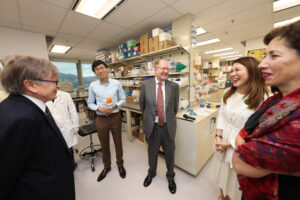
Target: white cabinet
194	139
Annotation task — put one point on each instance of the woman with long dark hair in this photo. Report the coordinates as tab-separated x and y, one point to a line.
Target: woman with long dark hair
247	92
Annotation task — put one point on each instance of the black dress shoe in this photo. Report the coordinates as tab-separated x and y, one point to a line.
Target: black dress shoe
147	180
172	186
103	174
122	171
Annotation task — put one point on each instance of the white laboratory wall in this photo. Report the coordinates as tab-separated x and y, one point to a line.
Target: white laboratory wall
255	43
14	41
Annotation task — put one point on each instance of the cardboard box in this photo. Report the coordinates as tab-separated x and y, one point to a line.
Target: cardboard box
141	136
153	44
135	133
144	44
156	32
164	36
132	99
166	44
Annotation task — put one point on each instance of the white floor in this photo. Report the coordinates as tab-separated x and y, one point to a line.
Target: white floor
113	187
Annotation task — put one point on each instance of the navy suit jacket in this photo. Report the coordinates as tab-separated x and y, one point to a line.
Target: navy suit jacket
35	162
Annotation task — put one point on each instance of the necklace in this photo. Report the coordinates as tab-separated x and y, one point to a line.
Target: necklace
246	101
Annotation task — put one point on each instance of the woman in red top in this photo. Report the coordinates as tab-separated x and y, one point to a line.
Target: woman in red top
267	159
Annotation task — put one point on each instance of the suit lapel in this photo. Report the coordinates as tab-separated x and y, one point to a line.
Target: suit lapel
153	90
49	121
56	130
167	93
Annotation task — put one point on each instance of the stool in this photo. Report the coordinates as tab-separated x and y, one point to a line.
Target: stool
91	151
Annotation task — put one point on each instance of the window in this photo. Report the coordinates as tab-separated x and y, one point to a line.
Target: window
67	72
88	75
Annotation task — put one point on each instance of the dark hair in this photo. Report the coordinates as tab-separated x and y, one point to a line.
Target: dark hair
19	68
96	63
256	88
291	34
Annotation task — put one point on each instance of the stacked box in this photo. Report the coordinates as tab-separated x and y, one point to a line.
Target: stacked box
144	44
154	44
164	36
156	32
104	55
166	44
122	51
131	43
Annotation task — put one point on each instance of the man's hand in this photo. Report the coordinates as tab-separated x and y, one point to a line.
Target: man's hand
109	110
102	109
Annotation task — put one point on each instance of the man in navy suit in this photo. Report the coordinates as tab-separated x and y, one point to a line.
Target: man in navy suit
35	160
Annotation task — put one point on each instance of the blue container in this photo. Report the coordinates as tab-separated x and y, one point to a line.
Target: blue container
128	93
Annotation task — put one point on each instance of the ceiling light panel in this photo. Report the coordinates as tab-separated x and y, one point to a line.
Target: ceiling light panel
224	54
201	31
208	42
284	4
282	23
59	49
218	50
96	8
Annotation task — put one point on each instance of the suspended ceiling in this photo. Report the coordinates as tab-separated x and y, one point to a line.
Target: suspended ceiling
232	21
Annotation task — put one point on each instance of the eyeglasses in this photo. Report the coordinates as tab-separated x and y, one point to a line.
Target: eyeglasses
99	68
56	82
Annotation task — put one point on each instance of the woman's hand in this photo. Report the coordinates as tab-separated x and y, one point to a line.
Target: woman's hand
221	146
218	147
239	141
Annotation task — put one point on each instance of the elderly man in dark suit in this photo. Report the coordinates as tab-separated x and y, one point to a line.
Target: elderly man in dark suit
36	163
159	104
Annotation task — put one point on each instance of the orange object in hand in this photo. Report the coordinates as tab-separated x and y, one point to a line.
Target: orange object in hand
108	100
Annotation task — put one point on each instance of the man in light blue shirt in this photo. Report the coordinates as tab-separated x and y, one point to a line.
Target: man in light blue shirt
106	97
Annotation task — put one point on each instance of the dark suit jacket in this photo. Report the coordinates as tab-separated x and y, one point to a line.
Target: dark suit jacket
148	106
35	163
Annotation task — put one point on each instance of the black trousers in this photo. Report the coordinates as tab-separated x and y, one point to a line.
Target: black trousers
160	137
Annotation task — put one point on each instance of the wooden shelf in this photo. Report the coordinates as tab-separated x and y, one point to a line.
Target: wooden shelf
135	86
163	51
210	68
144	57
145	75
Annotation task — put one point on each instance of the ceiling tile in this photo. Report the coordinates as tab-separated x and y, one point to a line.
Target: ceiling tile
39	14
205	36
10	24
76	51
132	12
226	9
240	34
78	24
193	7
105	31
169	1
160	20
60	3
286	14
92	44
39	30
123	37
9	11
66	39
241	18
